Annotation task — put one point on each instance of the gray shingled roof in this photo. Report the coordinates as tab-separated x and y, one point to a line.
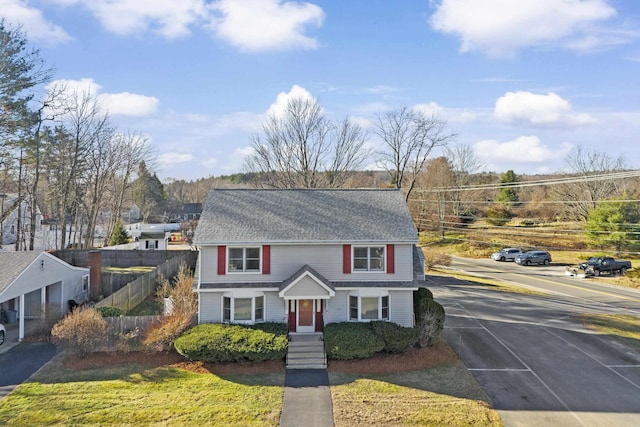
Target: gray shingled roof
304	215
12	264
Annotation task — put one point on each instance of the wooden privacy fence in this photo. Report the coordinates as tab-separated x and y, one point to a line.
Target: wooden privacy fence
135	292
125	324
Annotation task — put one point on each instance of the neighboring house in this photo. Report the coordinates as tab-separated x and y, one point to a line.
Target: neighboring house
306	257
9	214
33	283
153	240
191	211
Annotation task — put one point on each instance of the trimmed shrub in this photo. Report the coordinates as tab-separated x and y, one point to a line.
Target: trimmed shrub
110	311
351	340
81	331
397	339
429	320
232	343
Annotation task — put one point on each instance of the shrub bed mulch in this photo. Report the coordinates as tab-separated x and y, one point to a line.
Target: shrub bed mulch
414	359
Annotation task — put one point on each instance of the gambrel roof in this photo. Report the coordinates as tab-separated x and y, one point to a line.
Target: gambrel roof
305	216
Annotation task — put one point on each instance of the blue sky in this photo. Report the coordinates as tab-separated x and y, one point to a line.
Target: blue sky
520	81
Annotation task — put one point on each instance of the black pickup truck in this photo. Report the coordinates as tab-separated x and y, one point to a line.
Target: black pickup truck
597	265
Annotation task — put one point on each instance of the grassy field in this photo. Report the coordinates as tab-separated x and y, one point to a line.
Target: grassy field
134	395
441	396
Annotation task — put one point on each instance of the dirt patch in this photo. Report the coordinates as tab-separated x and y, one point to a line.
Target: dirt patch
415	359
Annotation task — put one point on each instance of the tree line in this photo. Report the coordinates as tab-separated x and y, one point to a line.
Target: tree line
60	152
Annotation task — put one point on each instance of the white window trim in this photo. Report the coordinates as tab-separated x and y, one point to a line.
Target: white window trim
359	296
368	270
253	297
244	260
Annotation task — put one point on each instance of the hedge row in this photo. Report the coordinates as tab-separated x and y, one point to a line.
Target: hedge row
234	343
350	340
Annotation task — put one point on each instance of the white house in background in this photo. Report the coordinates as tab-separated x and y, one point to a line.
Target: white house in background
153	240
31	281
9	214
306	257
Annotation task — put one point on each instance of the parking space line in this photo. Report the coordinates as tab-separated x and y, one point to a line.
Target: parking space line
593	358
499	370
528	369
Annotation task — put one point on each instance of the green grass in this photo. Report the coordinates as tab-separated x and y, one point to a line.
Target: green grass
622	327
445	395
148	307
136	269
133	395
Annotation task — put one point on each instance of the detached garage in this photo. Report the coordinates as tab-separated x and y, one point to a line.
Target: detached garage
37	284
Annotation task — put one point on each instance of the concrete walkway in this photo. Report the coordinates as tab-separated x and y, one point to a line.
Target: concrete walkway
307	399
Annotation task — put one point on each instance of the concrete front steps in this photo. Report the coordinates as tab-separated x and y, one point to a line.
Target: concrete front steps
306	351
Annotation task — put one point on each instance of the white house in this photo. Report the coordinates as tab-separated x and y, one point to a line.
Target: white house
32	283
306	257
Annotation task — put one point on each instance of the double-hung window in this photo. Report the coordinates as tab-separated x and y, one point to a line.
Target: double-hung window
243	310
368	258
244	260
368	307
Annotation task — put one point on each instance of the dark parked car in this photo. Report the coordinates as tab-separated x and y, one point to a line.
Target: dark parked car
534	257
596	265
507	254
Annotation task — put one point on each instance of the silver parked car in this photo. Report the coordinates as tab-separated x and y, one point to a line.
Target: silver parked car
507	254
534	257
3	333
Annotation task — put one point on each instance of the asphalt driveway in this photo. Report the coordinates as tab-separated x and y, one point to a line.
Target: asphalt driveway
538	365
20	362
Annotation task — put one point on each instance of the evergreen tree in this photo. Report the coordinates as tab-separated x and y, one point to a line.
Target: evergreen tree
149	195
118	236
615	223
508	193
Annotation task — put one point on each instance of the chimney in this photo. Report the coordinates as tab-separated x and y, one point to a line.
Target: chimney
95	274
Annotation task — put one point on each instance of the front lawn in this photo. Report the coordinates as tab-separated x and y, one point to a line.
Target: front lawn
132	394
442	396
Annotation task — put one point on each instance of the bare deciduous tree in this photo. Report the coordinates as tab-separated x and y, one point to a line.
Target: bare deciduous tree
464	163
582	196
408	137
302	148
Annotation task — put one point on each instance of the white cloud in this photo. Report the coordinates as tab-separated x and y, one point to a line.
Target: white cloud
123	103
522	150
283	98
501	27
430	109
33	23
550	110
260	25
128	104
169	18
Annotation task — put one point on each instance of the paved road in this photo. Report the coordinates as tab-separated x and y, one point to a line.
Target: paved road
533	358
20	362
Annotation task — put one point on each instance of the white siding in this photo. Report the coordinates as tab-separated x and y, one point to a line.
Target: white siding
306	288
401	308
325	259
210	307
274	308
337	308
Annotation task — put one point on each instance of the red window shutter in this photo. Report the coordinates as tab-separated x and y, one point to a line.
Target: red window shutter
266	259
346	259
391	261
222	260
